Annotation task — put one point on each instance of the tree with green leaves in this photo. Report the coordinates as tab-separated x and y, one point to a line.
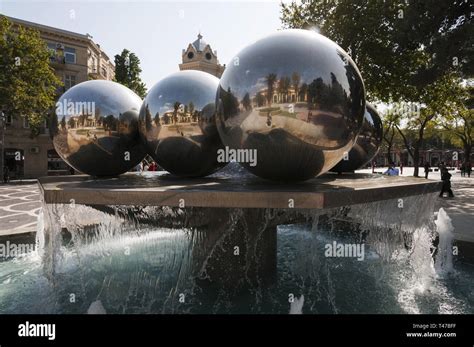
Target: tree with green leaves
260	99
413	120
284	87
389	132
417	122
399	46
246	102
127	72
191	107
295	81
28	85
271	79
230	103
176	108
457	115
303	90
404	49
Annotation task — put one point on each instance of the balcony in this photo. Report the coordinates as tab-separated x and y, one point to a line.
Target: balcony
93	73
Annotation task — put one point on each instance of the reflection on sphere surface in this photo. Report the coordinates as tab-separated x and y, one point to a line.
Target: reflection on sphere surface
95	128
367	144
297	99
177	124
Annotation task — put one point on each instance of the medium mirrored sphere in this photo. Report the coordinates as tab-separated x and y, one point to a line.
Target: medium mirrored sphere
177	123
95	128
367	144
296	99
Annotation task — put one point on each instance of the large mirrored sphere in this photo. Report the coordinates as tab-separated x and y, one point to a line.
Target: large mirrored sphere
294	97
177	123
95	128
367	143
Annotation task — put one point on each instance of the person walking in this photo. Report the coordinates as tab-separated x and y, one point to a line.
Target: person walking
468	168
441	166
446	188
427	169
463	169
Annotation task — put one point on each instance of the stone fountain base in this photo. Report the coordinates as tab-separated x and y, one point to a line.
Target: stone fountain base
157	189
235	216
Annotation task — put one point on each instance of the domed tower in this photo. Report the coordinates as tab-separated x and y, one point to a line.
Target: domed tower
200	56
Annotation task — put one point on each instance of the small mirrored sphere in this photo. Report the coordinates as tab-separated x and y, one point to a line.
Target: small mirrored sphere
296	99
367	144
95	128
177	124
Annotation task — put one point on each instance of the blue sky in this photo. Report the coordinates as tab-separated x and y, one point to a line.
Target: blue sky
156	31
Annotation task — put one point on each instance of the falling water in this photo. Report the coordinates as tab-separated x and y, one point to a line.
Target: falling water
444	256
127	259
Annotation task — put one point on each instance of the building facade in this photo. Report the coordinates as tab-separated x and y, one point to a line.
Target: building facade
199	56
75	59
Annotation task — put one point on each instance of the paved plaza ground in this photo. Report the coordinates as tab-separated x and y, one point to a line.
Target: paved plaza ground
19	208
20	205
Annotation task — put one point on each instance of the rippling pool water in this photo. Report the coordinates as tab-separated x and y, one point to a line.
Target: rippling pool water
152	272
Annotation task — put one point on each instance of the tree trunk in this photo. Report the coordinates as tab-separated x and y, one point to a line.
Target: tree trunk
389	149
467	151
416	160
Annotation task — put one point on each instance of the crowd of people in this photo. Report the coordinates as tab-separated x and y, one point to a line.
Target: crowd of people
147	166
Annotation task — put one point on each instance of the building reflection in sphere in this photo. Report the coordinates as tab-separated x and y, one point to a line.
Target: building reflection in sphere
367	144
95	128
177	123
297	99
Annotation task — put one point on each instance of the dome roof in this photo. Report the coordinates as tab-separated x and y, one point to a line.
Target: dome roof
199	44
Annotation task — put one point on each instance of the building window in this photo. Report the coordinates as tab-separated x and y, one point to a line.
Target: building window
26	122
190	55
208	56
103	71
70	55
69	81
94	64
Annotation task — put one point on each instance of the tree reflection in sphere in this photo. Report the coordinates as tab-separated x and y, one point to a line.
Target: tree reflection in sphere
177	124
367	143
95	128
297	99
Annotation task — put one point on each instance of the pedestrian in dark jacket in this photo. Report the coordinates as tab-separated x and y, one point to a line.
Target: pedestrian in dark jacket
446	178
441	166
427	169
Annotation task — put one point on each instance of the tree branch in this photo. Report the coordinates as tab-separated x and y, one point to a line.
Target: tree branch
405	141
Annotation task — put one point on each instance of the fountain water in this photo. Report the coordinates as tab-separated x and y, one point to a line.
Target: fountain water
444	257
162	259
